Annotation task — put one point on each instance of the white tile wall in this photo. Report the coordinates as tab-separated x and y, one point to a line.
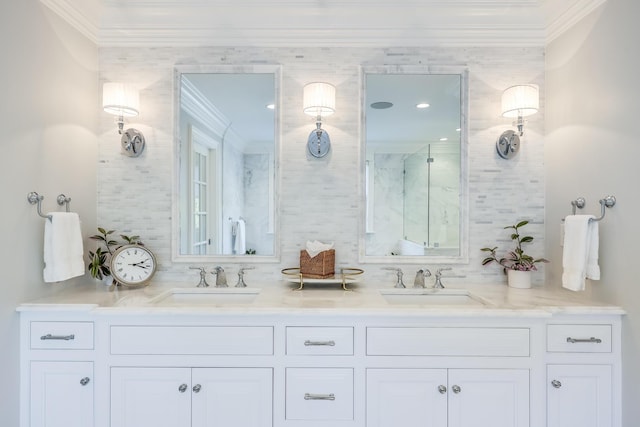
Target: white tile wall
318	197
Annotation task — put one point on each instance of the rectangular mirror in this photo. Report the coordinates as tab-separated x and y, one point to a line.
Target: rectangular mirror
226	163
415	174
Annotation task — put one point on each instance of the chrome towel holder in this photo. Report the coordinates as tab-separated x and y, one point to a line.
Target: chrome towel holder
607	202
34	198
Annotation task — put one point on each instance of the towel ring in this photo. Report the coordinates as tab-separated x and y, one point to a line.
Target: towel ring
607	202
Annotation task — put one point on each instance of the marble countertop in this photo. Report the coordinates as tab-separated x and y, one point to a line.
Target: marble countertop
364	298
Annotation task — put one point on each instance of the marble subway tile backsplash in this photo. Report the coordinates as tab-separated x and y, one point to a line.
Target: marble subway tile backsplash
318	198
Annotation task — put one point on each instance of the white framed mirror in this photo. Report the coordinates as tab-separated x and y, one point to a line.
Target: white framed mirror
414	173
226	149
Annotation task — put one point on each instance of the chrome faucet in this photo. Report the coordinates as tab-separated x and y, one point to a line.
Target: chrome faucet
399	283
203	277
438	284
241	283
221	277
420	275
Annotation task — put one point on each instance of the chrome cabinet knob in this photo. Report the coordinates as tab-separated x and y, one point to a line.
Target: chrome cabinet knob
456	389
84	381
182	388
556	384
442	389
196	388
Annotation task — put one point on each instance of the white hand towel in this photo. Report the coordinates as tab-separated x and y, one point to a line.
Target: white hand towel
593	269
240	244
315	247
580	252
63	253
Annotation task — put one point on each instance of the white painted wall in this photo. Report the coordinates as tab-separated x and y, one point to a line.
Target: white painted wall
48	112
592	150
319	198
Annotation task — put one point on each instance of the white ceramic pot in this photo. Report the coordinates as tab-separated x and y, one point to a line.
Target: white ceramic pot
519	279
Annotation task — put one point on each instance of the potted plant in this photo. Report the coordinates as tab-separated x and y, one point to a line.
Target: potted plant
516	264
99	260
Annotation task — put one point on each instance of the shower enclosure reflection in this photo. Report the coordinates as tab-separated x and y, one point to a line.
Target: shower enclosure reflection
414	186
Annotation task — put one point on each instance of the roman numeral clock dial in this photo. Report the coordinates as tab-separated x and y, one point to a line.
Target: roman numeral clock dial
133	265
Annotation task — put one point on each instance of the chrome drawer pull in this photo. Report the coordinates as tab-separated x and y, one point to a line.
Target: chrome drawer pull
442	389
592	339
328	343
182	388
312	396
84	381
556	384
58	337
456	389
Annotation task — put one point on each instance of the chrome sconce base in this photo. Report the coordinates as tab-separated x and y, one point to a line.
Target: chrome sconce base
132	142
319	142
508	144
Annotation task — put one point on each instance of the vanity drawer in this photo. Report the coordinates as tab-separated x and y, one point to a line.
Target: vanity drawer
319	340
62	335
448	342
223	340
319	394
579	338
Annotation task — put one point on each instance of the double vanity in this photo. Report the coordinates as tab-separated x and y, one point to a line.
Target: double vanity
271	356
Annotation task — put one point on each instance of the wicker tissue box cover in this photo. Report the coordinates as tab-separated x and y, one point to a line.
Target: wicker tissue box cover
320	266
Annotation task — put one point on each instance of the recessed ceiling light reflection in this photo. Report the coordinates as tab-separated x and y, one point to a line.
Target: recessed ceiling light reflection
458	130
444	139
422	105
271	106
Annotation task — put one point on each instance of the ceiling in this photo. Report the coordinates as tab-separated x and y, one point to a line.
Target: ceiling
290	23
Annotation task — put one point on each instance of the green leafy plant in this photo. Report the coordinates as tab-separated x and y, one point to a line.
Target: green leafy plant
100	258
516	259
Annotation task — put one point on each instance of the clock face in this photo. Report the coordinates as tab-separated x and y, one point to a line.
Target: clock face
133	265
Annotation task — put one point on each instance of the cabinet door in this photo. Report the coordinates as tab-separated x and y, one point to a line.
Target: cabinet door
158	397
579	396
61	394
406	397
488	398
232	397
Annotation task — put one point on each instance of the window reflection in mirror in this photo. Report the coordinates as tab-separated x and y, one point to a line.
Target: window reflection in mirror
226	167
413	172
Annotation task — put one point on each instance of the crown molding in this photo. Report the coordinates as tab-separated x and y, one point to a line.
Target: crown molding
442	23
72	15
569	17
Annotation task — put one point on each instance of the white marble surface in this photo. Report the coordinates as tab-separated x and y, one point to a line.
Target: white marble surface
364	299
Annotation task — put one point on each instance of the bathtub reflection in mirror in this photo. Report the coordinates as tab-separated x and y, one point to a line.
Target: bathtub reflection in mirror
414	171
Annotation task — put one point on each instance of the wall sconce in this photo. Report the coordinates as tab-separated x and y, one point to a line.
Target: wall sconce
518	102
320	101
122	101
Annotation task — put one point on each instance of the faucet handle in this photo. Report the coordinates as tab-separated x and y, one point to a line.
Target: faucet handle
399	274
438	283
203	277
241	283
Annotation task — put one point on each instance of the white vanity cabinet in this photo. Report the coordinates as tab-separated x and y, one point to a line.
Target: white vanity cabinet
582	367
111	368
191	397
447	397
61	394
57	371
476	395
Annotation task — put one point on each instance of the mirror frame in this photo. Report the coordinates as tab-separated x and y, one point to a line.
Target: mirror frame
463	256
176	256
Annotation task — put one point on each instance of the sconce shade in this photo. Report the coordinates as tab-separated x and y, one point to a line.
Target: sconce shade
520	100
120	99
319	99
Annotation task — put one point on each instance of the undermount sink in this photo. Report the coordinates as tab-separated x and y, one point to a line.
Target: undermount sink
206	296
431	297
